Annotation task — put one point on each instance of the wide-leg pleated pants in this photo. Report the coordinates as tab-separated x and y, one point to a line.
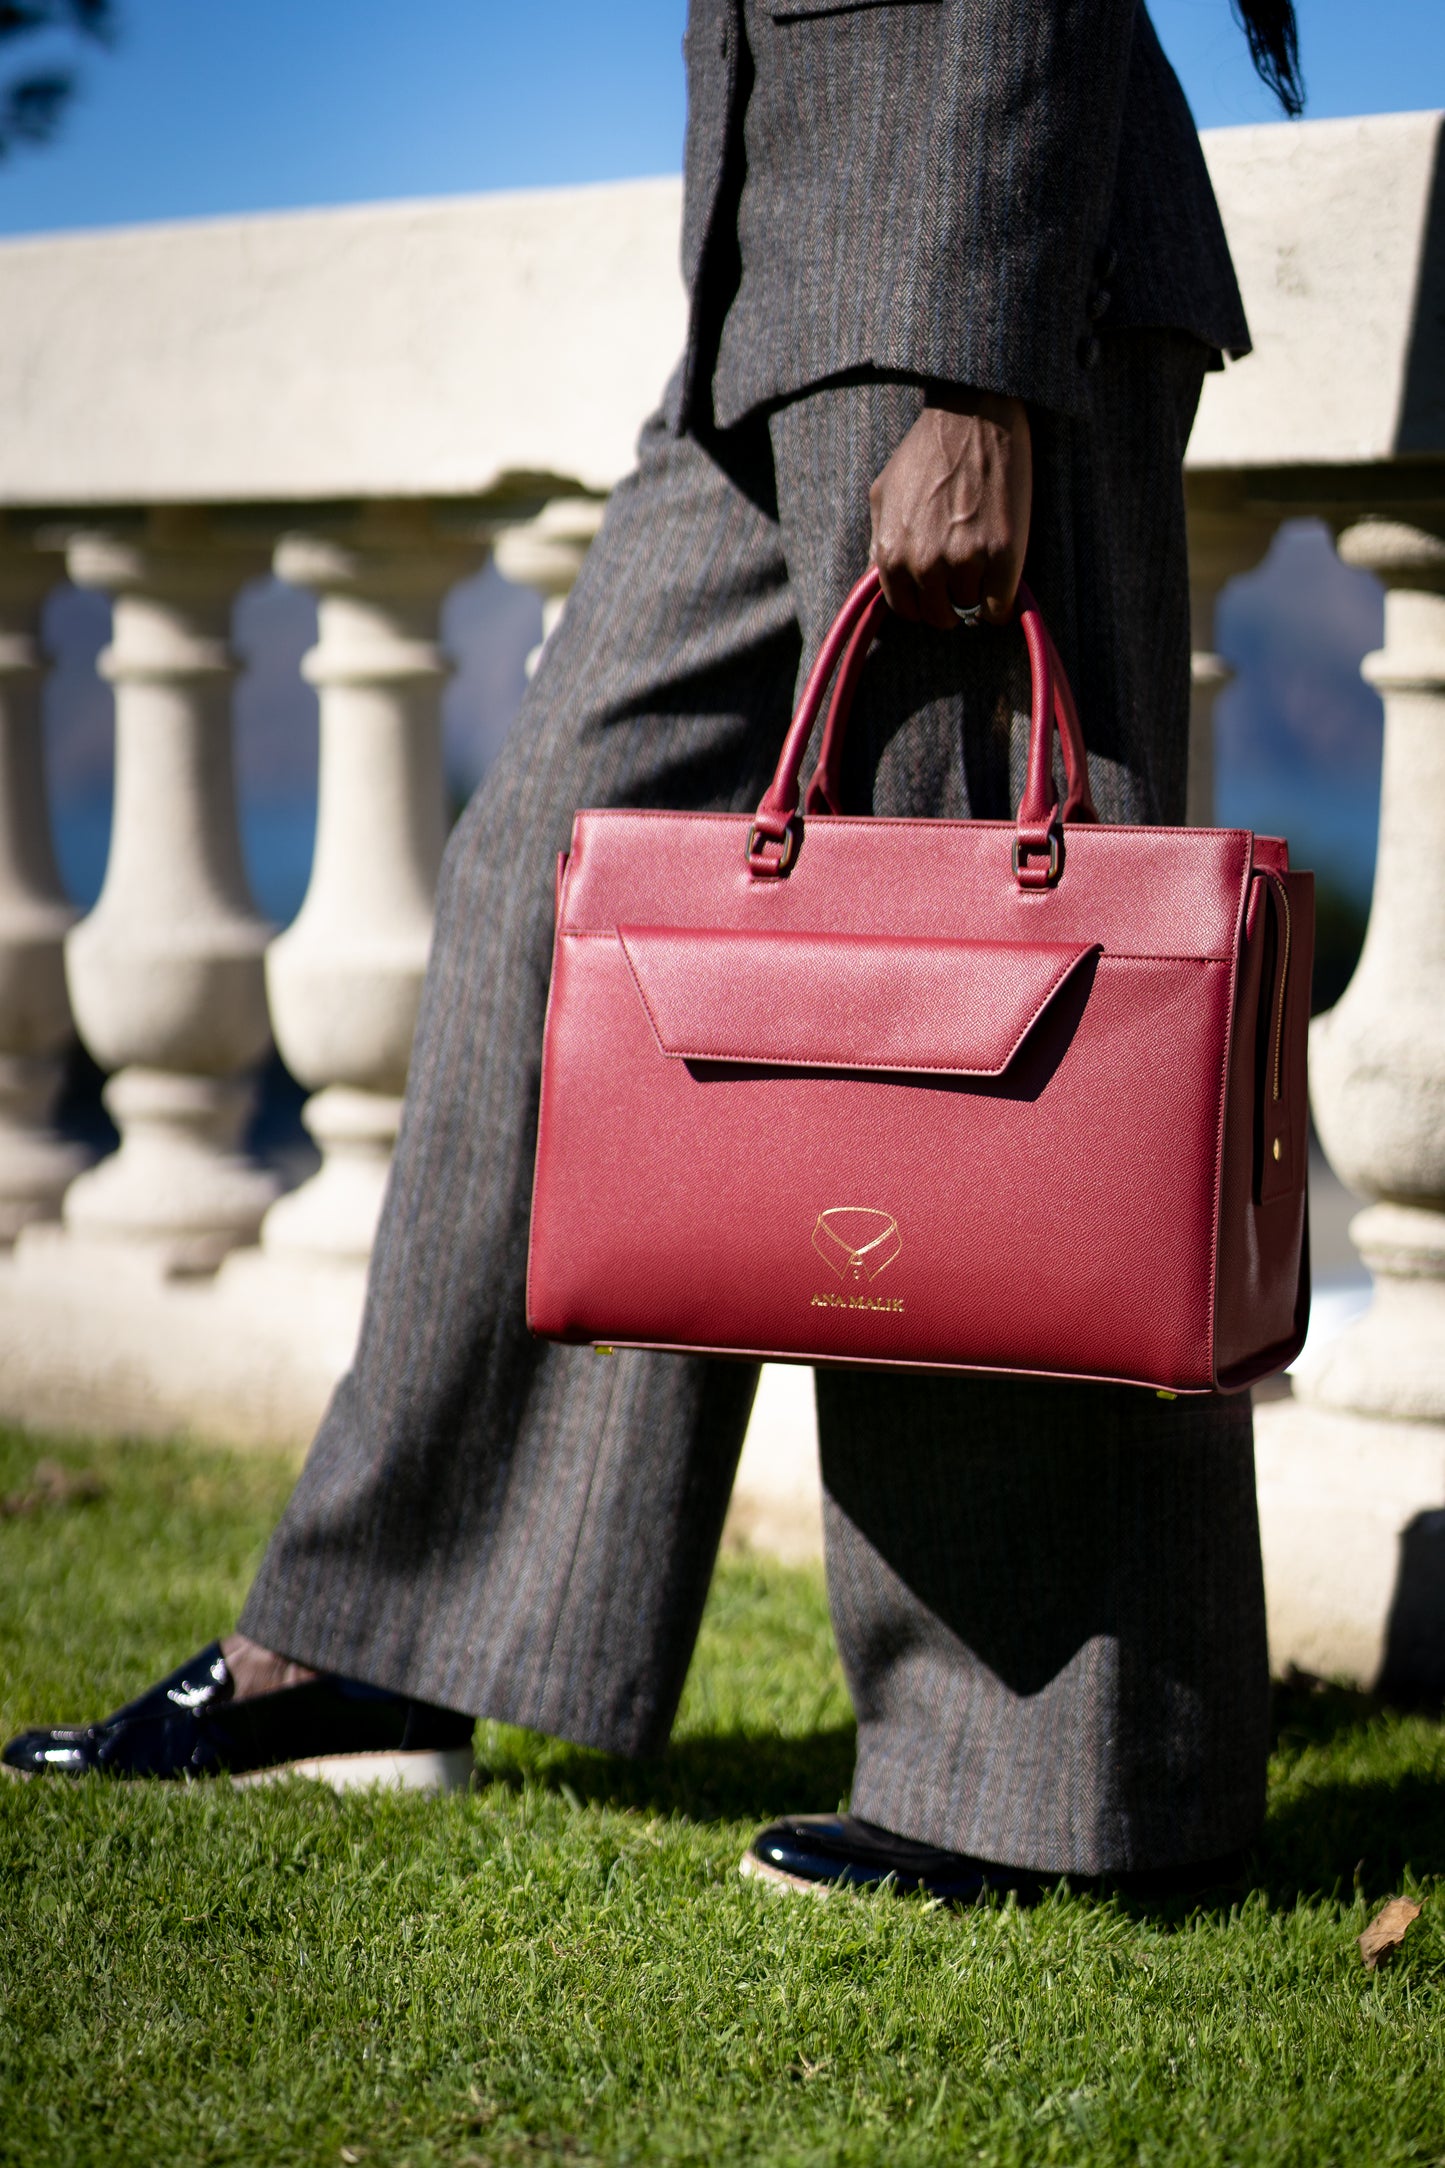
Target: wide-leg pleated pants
1047	1598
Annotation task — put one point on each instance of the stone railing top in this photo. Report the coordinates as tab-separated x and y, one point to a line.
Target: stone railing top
1338	233
481	345
414	349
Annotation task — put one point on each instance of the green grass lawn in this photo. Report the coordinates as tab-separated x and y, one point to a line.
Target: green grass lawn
565	1966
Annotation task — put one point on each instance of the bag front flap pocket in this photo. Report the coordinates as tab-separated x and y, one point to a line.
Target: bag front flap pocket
845	1001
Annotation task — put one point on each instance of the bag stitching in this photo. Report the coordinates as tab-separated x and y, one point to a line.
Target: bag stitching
1106	956
883	1068
893	1068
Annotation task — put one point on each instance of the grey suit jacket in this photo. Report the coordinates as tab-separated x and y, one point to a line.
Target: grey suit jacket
960	189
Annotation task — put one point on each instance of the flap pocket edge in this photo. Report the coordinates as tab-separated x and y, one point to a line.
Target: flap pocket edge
844	1001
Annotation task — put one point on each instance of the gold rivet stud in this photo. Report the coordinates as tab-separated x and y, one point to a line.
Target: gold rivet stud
599	1349
1160	1394
1276	1147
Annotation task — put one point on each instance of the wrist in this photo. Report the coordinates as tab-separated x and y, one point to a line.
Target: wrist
1000	408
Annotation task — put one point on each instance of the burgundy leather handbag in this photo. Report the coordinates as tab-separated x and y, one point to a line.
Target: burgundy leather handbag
1011	1096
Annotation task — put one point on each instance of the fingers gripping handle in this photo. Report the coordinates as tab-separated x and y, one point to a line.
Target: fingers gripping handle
772	839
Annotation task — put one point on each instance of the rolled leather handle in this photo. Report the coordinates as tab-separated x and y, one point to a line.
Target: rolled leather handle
845	650
1078	797
824	791
779	803
822	794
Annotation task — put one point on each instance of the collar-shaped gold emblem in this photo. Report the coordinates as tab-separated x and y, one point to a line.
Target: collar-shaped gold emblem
855	1241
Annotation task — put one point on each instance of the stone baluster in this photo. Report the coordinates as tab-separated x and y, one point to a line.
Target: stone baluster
1224	542
166	972
546	554
35	1164
1378	1058
1352	1468
345	978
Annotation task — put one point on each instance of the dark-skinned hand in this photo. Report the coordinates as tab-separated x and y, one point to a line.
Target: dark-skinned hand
951	509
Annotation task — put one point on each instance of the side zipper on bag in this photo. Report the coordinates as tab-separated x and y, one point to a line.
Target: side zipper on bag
1281	892
1276	1147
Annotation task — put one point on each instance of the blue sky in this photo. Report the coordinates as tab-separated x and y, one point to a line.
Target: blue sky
210	106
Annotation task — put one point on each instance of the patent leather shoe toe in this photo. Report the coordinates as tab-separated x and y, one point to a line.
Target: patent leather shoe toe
822	1852
191	1725
817	1852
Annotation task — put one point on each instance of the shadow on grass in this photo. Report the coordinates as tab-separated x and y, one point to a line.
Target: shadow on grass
1336	1840
734	1776
1306	1711
1332	1834
1324	1838
1341	1830
1338	1836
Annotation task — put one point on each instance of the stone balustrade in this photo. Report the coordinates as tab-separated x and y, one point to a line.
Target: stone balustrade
36	1168
345	978
166	973
370	402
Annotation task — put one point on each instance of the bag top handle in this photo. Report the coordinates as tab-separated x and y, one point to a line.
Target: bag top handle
772	840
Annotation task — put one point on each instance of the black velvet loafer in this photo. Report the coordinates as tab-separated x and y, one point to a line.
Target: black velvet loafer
190	1725
816	1852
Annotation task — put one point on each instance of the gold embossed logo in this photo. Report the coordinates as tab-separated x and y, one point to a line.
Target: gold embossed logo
891	1303
856	1241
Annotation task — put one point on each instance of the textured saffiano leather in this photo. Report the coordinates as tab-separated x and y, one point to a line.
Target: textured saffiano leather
829	1089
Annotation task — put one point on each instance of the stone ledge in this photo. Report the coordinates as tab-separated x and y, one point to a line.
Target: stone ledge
473	345
91	1340
1352	1513
777	1501
96	1337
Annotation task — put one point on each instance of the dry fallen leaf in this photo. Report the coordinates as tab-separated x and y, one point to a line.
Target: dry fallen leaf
349	2157
1386	1931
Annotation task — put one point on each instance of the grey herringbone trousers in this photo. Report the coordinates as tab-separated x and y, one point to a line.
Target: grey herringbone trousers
1047	1598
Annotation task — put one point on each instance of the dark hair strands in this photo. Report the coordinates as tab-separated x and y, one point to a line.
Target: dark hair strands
1273	35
